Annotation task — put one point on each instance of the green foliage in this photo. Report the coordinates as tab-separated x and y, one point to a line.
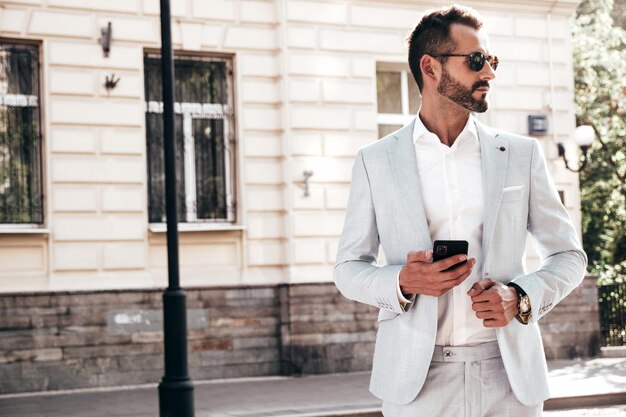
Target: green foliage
600	93
612	274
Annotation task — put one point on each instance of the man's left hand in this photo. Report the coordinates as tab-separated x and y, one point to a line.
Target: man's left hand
494	303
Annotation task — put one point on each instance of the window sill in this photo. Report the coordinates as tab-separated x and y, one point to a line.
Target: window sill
23	229
196	227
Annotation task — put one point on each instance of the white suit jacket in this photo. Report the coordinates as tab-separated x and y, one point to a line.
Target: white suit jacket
386	208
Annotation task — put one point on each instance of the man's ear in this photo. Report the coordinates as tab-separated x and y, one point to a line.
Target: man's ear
430	68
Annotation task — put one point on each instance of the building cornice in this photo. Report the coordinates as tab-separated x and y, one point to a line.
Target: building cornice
561	7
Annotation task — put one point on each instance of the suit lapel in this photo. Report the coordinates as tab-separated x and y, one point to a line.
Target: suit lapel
494	157
403	163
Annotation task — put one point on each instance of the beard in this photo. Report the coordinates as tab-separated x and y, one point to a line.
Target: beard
461	95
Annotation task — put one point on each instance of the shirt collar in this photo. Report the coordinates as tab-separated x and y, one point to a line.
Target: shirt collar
420	131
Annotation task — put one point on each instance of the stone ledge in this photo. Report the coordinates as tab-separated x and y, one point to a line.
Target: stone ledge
613	352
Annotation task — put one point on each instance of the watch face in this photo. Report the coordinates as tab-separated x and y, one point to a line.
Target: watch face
524	305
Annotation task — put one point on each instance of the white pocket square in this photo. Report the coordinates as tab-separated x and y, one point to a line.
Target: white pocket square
512	194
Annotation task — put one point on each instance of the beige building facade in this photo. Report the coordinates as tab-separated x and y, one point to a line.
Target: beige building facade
305	84
273	100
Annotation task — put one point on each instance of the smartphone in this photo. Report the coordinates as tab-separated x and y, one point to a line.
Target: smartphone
443	249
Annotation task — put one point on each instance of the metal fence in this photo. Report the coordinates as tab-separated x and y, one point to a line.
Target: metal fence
612	301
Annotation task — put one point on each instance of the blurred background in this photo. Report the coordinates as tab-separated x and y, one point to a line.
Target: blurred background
273	99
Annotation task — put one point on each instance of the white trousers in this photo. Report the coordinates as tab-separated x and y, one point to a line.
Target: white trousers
465	381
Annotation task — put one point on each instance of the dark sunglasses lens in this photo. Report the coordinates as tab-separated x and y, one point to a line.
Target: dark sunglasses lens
477	61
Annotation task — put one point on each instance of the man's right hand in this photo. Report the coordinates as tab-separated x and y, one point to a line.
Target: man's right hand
420	276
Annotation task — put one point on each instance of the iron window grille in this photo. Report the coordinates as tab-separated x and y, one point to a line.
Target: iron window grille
21	191
204	139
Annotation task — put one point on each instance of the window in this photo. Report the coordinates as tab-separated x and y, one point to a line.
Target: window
398	97
21	193
204	139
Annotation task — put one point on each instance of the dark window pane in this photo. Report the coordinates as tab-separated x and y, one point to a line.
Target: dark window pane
200	82
210	170
194	81
152	79
388	92
156	168
18	69
384	130
20	137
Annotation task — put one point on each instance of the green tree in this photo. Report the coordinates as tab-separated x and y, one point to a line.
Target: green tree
599	43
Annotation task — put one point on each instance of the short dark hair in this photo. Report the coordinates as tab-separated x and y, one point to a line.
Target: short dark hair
432	34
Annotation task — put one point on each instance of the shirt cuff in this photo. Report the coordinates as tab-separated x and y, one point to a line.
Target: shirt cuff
401	297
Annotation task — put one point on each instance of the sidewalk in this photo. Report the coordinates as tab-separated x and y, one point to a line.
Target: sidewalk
574	384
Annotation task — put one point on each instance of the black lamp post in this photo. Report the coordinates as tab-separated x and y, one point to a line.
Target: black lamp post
176	388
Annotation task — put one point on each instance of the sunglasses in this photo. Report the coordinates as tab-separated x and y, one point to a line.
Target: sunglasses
476	60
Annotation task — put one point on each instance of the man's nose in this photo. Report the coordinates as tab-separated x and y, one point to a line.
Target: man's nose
487	73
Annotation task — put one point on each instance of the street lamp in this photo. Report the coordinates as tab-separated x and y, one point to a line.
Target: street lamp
584	136
176	388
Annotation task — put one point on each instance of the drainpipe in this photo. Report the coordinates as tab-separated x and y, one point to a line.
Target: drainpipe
285	333
286	140
551	72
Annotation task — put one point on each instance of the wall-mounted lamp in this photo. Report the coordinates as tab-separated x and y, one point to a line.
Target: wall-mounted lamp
105	39
583	136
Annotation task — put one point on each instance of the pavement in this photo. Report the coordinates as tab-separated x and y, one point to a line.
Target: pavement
590	387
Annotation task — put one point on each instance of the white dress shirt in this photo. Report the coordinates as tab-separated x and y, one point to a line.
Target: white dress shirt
452	191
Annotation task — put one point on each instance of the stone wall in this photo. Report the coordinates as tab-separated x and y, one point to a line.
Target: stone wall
324	332
572	328
68	340
72	340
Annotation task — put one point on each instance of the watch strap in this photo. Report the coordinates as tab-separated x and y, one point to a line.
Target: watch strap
517	288
522	318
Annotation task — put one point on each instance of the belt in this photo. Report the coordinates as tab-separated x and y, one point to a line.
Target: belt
466	353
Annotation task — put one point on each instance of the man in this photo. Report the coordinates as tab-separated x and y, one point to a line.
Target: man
463	341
